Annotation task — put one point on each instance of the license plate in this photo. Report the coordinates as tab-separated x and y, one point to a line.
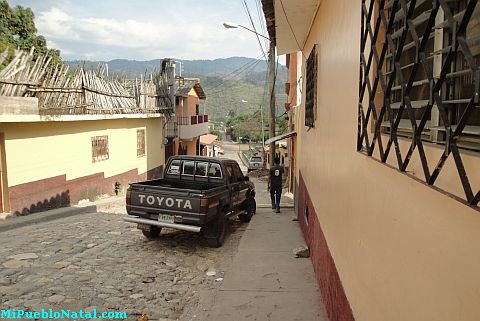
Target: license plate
166	218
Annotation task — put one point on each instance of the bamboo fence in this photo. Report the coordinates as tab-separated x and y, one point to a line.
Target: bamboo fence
60	91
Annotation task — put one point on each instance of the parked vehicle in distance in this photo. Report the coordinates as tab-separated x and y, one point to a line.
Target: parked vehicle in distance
255	162
197	194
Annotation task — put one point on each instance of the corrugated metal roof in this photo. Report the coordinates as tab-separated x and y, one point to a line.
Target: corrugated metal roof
280	137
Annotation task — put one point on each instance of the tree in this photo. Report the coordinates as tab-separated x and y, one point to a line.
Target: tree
17	30
246	126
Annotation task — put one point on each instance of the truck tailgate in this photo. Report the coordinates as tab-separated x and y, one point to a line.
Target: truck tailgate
158	200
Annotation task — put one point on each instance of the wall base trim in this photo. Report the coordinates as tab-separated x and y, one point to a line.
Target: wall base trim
336	302
56	192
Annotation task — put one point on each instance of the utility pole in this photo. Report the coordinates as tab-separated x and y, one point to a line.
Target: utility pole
271	89
263	127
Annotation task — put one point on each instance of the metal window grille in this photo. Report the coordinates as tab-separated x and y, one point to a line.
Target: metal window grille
99	148
140	142
311	88
419	78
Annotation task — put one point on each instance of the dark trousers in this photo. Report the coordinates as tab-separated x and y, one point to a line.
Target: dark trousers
275	195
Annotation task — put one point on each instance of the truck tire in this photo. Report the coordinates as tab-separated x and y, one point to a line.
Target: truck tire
215	231
250	209
153	233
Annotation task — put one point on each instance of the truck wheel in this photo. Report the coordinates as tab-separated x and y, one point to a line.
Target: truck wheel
215	231
153	233
250	209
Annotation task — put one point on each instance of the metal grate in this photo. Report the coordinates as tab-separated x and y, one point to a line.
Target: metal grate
140	142
99	148
311	88
419	79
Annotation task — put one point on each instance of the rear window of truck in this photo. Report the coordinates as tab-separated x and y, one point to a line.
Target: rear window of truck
197	168
215	171
174	167
188	168
201	169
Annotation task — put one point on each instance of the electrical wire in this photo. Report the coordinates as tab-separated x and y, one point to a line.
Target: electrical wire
261	21
291	29
254	28
223	83
237	72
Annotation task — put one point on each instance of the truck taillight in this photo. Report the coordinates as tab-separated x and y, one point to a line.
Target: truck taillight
204	205
128	197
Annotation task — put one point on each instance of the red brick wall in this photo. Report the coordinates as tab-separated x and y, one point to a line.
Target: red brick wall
335	300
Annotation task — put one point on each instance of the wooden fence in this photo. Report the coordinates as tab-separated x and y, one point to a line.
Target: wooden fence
60	91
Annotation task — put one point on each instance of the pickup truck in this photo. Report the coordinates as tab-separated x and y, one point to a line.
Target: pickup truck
196	194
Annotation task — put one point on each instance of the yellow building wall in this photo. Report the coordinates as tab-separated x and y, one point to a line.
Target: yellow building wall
40	150
46	150
193	100
403	250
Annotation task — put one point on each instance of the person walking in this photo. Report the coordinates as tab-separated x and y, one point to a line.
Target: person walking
275	179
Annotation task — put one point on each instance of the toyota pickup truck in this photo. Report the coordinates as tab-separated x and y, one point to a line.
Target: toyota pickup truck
196	194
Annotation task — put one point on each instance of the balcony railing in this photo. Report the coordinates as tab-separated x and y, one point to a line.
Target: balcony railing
192	126
192	120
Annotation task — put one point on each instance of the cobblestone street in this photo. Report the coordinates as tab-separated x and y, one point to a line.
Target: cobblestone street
98	261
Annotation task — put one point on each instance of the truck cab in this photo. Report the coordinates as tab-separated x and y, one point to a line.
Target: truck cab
197	194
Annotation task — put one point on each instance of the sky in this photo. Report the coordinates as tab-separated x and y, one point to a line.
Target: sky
145	30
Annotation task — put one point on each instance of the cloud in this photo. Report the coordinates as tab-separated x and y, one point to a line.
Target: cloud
174	33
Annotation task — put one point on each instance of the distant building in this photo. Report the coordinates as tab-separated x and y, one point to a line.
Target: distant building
189	122
209	145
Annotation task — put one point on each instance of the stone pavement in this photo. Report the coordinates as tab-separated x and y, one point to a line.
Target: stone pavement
97	261
12	222
266	282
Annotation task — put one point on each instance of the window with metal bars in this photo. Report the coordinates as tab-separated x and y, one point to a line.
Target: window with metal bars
408	103
140	142
311	88
419	79
99	148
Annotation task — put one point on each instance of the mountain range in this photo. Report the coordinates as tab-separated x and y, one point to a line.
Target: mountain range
231	84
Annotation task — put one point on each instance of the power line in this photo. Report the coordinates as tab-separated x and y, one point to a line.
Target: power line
249	65
291	29
244	71
261	21
254	29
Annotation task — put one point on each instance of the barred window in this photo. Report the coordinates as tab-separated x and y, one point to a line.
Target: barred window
458	83
99	148
420	80
311	88
140	142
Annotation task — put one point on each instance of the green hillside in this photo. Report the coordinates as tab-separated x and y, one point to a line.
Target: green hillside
227	82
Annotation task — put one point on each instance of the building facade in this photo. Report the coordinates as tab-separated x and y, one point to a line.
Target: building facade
387	153
55	161
189	122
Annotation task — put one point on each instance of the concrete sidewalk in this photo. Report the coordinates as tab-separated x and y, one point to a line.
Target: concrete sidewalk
265	280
